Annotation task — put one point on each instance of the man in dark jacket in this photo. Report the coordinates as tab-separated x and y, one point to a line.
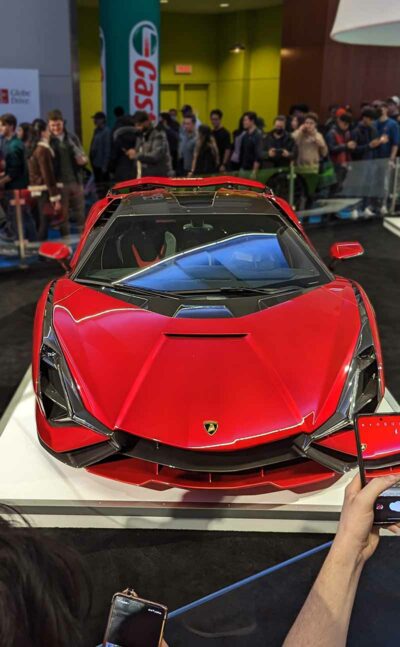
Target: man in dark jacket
167	125
124	139
69	161
279	145
152	151
15	177
99	154
366	136
251	149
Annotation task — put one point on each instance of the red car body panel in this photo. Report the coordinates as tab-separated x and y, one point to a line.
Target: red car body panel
265	377
67	438
284	478
117	352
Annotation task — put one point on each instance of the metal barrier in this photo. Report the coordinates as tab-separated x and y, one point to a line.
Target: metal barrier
357	190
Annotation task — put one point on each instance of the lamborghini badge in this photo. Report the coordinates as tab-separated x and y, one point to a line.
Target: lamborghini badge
211	427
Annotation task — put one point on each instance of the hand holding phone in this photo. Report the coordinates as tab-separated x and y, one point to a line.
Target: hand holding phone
134	622
368	431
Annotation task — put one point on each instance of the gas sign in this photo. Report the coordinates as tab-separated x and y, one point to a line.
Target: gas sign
144	68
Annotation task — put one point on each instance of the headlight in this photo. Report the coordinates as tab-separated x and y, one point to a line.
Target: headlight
58	391
361	391
51	389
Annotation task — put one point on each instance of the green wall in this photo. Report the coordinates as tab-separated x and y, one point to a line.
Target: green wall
233	82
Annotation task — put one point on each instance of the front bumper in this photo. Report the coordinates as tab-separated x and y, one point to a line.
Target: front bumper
288	464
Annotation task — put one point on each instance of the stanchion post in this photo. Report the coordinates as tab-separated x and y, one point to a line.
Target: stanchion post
17	203
292	177
395	188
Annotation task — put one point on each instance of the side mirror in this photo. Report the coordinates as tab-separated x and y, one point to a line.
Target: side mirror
342	251
57	252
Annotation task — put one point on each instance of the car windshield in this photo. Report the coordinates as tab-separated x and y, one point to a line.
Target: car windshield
212	252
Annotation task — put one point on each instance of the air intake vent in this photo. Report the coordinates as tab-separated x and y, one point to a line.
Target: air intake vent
203	312
108	212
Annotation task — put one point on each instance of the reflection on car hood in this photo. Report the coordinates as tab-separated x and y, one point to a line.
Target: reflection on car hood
261	377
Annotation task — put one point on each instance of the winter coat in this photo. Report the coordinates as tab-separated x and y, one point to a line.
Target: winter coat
153	154
41	172
75	150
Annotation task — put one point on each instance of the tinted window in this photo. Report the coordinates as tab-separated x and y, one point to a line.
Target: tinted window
202	252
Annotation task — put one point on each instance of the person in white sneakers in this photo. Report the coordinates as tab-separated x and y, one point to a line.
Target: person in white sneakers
367	141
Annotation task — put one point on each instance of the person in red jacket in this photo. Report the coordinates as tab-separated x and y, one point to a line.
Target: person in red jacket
340	145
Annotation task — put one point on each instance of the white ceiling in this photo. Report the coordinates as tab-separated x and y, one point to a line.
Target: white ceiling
201	6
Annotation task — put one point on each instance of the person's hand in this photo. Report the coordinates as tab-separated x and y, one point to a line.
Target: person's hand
271	152
351	144
384	139
374	143
285	153
81	160
222	168
163	643
356	536
190	174
130	153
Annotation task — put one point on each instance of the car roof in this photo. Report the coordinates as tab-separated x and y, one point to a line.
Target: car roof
181	202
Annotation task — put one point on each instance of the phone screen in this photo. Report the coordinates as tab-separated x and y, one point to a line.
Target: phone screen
375	431
134	623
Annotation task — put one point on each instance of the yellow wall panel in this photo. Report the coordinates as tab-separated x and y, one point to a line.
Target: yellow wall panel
89	69
189	39
232	82
263	98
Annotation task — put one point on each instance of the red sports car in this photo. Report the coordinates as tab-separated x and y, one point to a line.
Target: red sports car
198	340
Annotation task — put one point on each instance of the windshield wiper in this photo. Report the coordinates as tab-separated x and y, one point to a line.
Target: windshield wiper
240	290
117	287
149	292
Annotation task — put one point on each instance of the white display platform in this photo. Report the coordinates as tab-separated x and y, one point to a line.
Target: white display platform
52	494
392	224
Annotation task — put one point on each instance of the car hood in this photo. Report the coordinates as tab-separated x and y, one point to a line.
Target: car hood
258	378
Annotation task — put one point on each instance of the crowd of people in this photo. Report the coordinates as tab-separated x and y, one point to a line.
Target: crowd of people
47	164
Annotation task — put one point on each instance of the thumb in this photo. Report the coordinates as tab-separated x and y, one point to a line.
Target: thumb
375	487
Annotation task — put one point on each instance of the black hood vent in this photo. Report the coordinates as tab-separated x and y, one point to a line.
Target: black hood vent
203	312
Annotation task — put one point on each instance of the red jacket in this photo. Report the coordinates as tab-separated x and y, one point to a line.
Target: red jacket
337	140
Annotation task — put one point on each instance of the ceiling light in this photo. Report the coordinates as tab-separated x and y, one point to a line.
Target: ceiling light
224	5
237	48
163	1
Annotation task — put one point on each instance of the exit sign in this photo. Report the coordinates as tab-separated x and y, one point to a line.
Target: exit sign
183	69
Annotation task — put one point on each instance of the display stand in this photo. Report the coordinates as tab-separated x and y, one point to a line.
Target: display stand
392	224
52	494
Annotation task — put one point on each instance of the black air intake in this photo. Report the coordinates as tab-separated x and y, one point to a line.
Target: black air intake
203	312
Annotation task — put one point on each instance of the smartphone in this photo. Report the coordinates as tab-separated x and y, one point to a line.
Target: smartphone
373	430
134	622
